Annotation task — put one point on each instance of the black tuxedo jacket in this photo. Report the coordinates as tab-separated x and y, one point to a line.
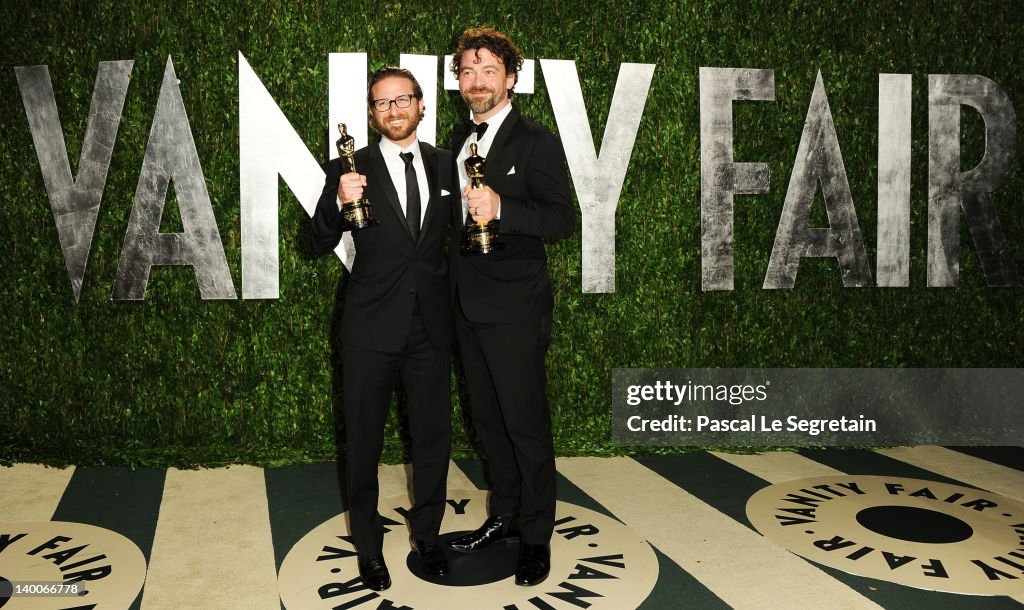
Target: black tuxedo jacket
391	272
526	167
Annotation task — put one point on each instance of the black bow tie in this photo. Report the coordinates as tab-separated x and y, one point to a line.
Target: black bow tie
479	129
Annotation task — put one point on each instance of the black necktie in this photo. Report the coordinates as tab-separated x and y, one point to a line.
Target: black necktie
412	196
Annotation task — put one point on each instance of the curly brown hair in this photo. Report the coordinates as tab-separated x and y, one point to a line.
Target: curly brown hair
494	41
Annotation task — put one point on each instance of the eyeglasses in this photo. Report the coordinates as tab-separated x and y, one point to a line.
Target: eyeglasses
402	101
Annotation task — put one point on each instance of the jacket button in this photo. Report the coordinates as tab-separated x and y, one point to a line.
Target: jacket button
412	291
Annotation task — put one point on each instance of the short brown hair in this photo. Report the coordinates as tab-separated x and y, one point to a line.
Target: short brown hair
495	42
387	71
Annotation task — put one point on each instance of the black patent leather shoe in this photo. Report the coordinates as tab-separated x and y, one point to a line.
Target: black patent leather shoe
374	573
500	527
432	558
534	564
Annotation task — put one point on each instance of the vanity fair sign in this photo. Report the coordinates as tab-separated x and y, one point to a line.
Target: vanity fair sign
269	147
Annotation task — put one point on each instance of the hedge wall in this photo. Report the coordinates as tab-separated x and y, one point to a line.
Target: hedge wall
175	379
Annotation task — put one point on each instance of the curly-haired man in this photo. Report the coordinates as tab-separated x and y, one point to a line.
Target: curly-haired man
503	299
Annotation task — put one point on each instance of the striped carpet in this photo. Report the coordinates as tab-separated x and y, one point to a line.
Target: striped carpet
218	538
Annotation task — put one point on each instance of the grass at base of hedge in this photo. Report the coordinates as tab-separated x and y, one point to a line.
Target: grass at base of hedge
136	455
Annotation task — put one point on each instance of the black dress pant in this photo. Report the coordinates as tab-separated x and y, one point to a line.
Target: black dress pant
504	368
369	379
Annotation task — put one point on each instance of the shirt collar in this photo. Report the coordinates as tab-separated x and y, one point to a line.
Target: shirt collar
494	123
390	149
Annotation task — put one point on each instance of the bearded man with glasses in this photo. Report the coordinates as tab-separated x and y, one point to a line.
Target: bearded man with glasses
397	322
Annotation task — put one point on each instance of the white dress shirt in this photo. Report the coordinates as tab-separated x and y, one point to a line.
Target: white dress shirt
396	168
482	148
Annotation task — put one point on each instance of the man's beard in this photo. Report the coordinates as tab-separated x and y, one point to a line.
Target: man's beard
397	133
485	104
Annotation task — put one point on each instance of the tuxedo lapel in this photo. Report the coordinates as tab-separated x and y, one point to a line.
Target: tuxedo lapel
462	132
379	170
497	149
461	135
429	155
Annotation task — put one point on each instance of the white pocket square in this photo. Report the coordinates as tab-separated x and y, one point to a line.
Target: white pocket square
511	171
444	193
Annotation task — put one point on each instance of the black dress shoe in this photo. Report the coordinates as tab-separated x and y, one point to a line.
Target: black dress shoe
500	527
431	558
534	564
374	573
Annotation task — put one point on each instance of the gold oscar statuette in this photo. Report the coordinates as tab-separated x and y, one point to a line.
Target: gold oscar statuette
355	214
478	237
